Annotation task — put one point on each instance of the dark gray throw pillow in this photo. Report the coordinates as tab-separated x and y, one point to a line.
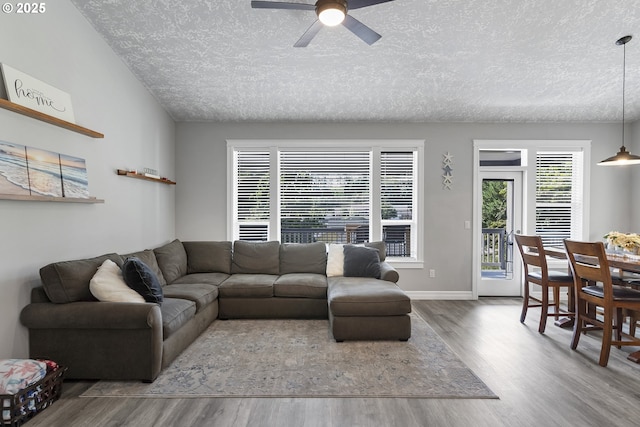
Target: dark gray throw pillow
139	277
361	261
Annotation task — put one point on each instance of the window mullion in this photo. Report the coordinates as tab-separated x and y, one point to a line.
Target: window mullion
376	203
274	193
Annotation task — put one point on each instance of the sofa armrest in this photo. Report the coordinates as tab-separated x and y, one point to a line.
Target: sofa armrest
388	273
97	340
39	295
91	315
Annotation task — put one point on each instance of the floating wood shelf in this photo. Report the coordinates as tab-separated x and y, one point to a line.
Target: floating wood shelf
16	108
122	172
50	199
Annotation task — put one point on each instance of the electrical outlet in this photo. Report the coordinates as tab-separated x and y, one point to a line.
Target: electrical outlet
432	273
467	225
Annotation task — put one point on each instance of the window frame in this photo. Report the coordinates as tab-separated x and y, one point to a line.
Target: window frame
575	206
528	167
376	147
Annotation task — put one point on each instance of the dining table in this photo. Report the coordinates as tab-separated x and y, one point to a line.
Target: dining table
621	261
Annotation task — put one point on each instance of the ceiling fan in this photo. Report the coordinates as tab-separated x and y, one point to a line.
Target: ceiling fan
330	13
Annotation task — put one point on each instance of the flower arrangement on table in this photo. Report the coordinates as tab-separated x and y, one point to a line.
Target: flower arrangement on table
627	242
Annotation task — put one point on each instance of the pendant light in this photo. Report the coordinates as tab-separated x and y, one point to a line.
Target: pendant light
623	157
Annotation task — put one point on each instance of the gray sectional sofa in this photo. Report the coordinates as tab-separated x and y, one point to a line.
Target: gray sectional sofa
202	282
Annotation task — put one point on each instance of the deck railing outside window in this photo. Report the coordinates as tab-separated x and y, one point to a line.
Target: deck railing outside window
310	235
397	240
494	245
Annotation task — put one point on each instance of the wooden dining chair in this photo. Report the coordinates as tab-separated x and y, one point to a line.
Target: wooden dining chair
634	317
537	272
629	280
594	288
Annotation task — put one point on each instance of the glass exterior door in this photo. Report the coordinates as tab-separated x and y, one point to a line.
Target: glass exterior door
501	204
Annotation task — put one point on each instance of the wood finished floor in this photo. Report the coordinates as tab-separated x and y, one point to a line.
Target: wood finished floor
539	380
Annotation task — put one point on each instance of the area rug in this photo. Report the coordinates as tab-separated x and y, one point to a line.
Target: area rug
299	358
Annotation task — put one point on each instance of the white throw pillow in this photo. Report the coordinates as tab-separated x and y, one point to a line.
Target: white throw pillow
109	286
335	260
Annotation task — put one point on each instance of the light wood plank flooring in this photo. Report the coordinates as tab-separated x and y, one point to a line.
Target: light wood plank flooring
540	382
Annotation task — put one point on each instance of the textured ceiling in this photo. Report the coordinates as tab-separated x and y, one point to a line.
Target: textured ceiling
437	60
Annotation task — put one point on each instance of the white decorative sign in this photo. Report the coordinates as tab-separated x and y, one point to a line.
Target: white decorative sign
447	177
24	90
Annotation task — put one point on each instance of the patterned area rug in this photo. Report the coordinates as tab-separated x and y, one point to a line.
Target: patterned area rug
299	358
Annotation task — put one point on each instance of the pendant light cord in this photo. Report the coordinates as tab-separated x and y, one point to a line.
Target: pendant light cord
624	76
623	157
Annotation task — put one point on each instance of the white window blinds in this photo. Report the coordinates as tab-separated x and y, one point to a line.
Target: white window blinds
329	190
396	185
326	191
559	203
397	200
252	195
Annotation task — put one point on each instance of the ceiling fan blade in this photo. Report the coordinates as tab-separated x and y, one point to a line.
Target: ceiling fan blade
309	34
281	5
359	29
357	4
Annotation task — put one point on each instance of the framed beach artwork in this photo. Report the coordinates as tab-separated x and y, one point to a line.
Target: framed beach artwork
43	168
14	178
74	177
35	172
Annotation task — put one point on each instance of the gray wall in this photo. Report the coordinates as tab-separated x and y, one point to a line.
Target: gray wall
634	189
201	210
60	48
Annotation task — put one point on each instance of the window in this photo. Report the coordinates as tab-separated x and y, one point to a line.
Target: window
397	199
251	205
340	192
328	191
559	200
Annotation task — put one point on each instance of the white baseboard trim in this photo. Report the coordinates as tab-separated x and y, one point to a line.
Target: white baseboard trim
442	295
461	295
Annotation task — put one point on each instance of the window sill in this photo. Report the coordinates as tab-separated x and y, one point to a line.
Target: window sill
400	264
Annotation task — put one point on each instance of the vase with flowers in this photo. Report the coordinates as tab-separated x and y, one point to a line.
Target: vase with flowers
623	243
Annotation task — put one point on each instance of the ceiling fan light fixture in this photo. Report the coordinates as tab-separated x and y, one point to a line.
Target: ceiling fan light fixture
331	12
623	157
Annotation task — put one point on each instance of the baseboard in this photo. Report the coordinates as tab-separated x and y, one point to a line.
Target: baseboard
460	295
442	295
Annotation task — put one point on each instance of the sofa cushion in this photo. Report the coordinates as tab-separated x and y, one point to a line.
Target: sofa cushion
200	293
335	260
108	285
361	261
248	286
68	281
301	285
380	246
139	277
256	257
172	260
149	257
303	258
335	256
362	296
175	313
206	278
208	257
